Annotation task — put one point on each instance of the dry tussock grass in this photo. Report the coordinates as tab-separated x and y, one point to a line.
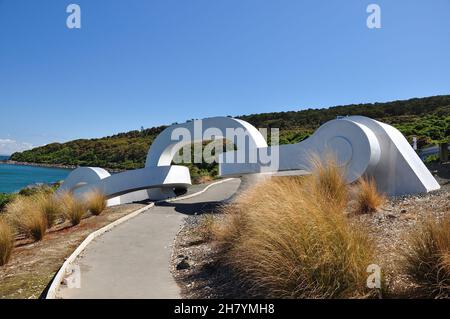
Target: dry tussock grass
27	217
328	180
50	206
32	214
368	199
206	228
6	242
289	238
427	261
96	202
73	209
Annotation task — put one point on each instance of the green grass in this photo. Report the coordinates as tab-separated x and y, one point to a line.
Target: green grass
5	199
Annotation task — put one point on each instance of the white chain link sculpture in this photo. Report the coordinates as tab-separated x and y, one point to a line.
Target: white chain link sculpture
362	146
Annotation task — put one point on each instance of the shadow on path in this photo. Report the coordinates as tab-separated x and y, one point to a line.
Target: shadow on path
193	208
196	208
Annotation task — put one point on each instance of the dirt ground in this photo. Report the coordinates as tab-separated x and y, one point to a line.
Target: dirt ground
33	264
194	260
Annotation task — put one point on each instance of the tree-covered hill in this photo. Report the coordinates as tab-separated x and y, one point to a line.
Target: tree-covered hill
121	151
427	118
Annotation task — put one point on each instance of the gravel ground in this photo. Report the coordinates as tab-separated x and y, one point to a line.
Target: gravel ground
193	263
390	226
194	259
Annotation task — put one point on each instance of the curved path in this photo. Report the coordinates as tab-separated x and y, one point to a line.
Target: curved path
133	260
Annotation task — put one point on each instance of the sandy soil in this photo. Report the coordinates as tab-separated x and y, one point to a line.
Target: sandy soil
34	264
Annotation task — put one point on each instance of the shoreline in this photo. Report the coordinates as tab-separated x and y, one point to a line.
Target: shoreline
60	166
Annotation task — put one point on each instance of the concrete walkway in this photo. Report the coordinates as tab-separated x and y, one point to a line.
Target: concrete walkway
133	259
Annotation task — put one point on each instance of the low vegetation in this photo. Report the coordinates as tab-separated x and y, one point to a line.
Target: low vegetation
6	241
206	228
33	211
428	260
27	217
73	209
38	190
50	207
289	238
328	182
5	199
96	202
368	199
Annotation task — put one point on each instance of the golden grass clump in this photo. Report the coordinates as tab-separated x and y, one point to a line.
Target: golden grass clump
427	261
96	202
73	209
6	242
328	181
50	206
281	241
27	217
368	198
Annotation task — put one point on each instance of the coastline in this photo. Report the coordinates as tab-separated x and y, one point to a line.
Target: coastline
60	166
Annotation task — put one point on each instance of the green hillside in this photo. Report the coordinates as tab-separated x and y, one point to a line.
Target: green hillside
427	118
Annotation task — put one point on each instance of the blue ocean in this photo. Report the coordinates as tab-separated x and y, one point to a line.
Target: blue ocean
15	177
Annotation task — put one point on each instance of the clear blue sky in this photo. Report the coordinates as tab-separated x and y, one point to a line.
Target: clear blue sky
144	63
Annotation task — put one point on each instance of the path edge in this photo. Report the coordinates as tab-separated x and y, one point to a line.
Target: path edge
56	282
